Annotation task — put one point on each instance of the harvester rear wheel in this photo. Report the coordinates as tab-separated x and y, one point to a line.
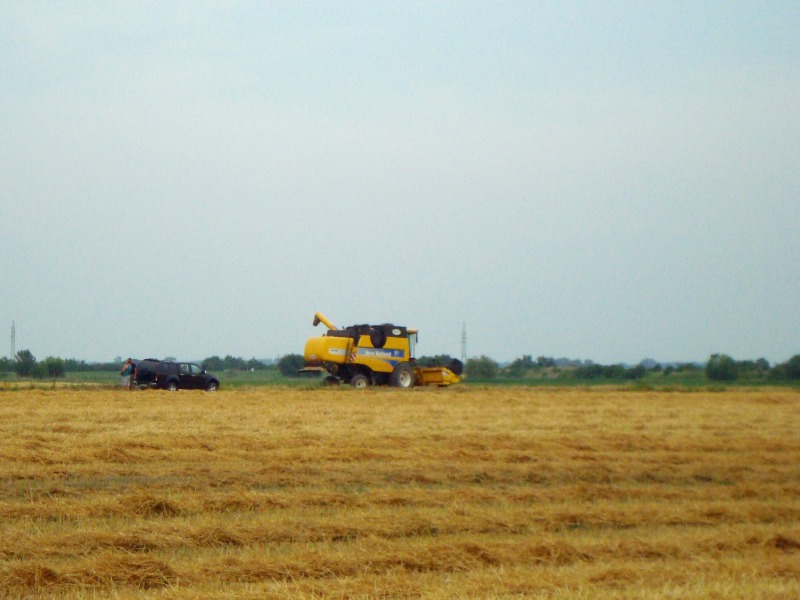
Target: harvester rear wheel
402	375
359	381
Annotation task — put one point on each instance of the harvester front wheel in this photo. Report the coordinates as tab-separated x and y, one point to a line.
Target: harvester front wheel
402	375
359	381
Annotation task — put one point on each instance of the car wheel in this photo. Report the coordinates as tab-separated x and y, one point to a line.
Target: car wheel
212	386
402	376
172	386
359	381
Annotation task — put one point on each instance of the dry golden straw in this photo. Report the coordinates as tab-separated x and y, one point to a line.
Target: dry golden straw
482	493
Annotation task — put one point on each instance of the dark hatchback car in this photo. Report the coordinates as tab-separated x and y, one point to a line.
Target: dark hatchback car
168	375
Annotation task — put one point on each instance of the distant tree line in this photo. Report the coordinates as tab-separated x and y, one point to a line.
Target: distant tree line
215	363
719	367
546	367
25	364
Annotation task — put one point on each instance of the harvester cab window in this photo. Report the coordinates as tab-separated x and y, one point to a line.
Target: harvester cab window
412	342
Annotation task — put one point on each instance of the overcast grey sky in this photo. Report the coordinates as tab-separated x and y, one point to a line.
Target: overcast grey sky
598	180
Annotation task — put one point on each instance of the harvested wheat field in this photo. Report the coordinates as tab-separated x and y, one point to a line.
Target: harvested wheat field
463	492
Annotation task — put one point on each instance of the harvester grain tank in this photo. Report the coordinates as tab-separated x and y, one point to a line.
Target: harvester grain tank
364	355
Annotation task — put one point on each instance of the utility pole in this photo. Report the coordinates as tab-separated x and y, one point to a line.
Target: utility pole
13	340
463	343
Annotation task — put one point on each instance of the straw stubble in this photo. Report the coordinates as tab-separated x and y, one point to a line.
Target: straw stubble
491	493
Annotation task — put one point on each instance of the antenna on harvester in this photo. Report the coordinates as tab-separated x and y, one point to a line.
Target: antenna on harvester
463	343
13	341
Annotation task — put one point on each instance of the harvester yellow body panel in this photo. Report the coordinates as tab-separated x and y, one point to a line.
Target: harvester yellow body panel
346	350
381	360
328	349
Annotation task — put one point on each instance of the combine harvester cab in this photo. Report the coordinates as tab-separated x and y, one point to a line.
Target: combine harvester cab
364	355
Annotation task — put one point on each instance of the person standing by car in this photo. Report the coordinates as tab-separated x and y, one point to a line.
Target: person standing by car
132	380
126	372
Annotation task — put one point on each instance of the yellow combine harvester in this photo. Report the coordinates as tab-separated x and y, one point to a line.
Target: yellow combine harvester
364	355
